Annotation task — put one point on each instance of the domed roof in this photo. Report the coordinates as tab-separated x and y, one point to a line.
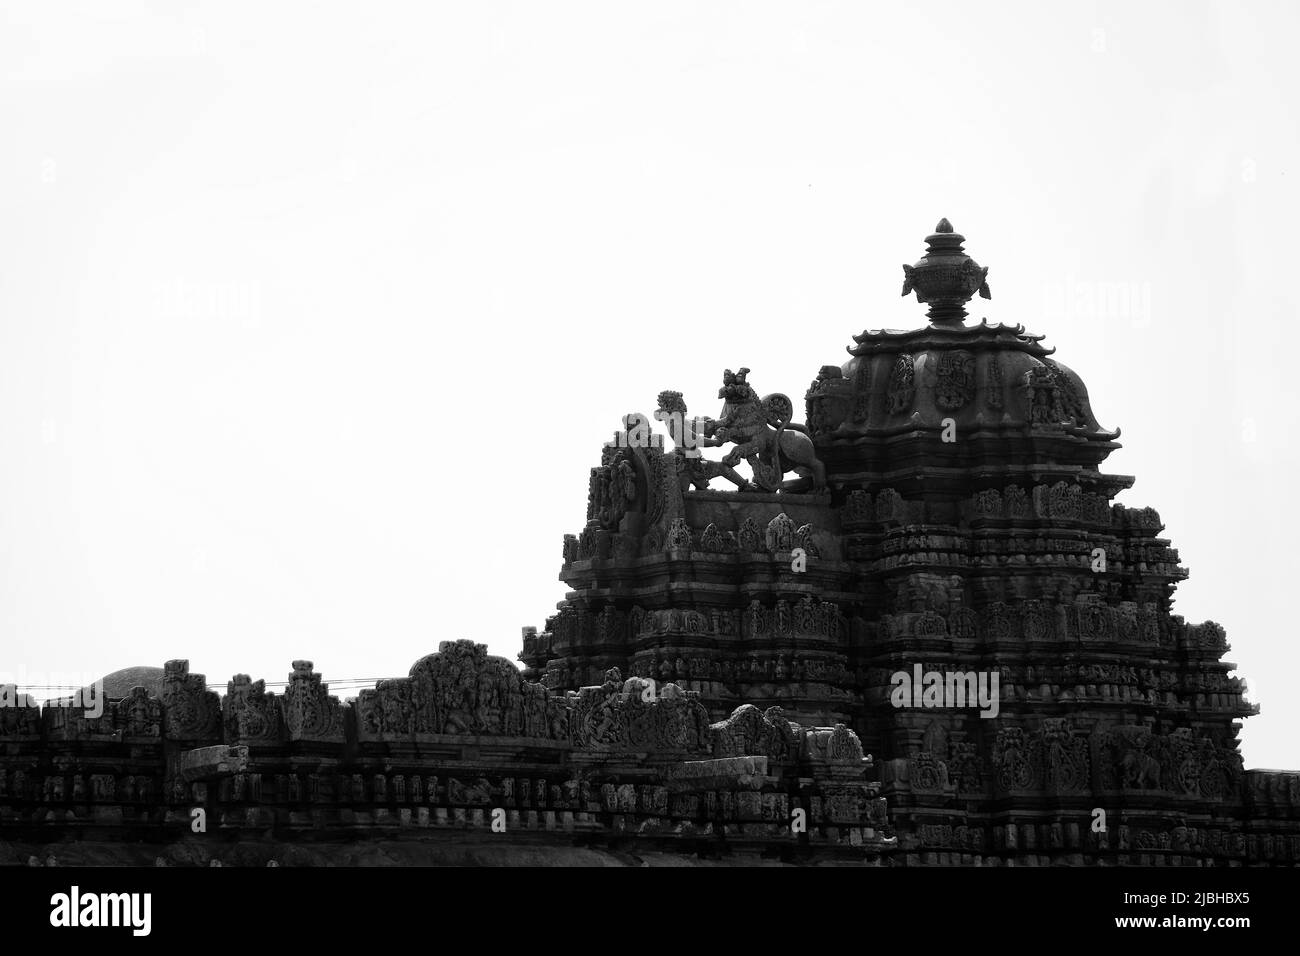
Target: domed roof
987	379
979	376
119	683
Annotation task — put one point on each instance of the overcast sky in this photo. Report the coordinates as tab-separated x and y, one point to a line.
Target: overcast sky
313	317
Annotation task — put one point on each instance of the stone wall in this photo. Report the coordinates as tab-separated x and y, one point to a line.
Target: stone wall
462	760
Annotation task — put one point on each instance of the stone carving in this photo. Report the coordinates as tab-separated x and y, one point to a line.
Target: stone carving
191	711
750	540
692	468
1012	766
586	544
889	505
478	792
1144	518
675	621
861	392
902	385
965	767
536	645
752	732
463	690
823	412
1208	635
964	624
388	709
665	492
930	624
1138	759
834	745
926	773
712	540
621	716
250	714
20	716
766	438
806	616
577	625
1052	397
858	508
613	488
1064	756
1065	500
999	622
536	706
1135	761
310	713
803	538
955	385
1039	495
1053	757
1036	622
780	533
679	536
1096	621
1126	619
1069	393
946	277
988	502
138	714
993	383
1043	397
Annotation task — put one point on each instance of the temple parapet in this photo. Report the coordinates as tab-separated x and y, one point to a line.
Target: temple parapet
438	750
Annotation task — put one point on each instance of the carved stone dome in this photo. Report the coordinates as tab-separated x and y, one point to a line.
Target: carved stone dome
966	394
981	376
984	377
119	683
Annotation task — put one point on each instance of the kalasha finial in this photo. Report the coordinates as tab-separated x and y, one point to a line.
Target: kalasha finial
946	277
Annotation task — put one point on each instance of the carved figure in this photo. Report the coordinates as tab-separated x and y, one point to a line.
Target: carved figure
765	437
692	468
1140	771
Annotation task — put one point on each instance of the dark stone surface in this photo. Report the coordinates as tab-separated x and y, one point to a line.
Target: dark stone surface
708	686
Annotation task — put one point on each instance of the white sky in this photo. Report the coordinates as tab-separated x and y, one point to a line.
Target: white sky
313	317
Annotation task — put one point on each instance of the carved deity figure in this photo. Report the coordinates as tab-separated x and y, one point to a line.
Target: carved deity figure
689	435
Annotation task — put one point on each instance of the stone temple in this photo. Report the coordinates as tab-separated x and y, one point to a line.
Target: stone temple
922	632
